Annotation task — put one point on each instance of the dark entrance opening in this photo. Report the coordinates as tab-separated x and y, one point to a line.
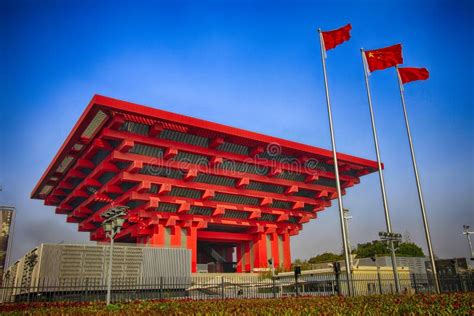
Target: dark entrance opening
216	257
217	248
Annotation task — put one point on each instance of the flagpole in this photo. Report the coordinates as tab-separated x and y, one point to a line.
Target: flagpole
382	182
336	171
418	185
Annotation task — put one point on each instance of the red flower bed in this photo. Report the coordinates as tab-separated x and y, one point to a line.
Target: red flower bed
445	304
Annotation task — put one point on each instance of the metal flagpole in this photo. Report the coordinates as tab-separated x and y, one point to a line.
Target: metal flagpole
382	182
468	236
109	272
418	185
336	171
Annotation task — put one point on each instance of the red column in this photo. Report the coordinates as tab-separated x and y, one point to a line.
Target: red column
175	238
239	257
192	245
286	252
260	254
276	258
158	237
247	256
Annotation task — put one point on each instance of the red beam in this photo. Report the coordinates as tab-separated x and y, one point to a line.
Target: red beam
241	176
209	152
223	189
222	236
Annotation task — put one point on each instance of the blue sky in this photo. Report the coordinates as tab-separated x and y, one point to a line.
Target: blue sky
254	65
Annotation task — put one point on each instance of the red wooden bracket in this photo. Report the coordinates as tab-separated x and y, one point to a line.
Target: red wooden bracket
274	171
170	153
208	194
292	189
190	175
216	142
266	201
164	189
84	163
126	145
311	177
219	210
242	182
297	205
257	151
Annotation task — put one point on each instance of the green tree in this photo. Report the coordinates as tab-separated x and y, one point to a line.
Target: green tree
409	249
371	249
325	257
381	248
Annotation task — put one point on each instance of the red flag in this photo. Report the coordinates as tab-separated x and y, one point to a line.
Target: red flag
408	74
379	59
336	37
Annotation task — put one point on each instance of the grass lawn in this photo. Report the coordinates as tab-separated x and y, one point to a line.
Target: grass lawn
445	304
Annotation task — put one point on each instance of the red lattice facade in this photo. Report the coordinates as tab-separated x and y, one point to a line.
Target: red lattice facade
231	196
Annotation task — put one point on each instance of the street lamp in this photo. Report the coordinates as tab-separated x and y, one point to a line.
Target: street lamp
347	217
395	237
468	236
391	238
112	224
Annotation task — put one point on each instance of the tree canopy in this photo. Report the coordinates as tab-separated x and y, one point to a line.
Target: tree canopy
409	249
367	250
381	248
326	257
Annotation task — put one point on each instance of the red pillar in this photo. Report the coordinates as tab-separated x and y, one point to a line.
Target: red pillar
260	254
239	257
192	245
247	256
175	238
286	252
158	237
276	258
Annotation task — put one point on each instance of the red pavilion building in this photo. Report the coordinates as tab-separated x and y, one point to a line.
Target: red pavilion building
225	193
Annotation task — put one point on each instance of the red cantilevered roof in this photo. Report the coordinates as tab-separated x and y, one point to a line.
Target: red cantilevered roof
101	110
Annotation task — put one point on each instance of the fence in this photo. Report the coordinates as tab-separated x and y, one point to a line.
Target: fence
225	286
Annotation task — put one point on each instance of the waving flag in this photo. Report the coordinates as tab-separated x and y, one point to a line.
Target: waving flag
329	40
406	75
409	74
336	37
379	59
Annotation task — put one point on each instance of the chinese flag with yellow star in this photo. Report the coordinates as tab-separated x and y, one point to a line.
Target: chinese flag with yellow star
379	59
409	74
336	37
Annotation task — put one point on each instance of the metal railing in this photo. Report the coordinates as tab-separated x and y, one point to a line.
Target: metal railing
224	286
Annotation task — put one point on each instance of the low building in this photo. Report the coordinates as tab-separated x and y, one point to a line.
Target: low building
61	267
367	280
415	264
450	267
454	274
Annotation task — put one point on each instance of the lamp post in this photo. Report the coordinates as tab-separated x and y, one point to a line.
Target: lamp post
391	238
112	224
468	236
347	217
